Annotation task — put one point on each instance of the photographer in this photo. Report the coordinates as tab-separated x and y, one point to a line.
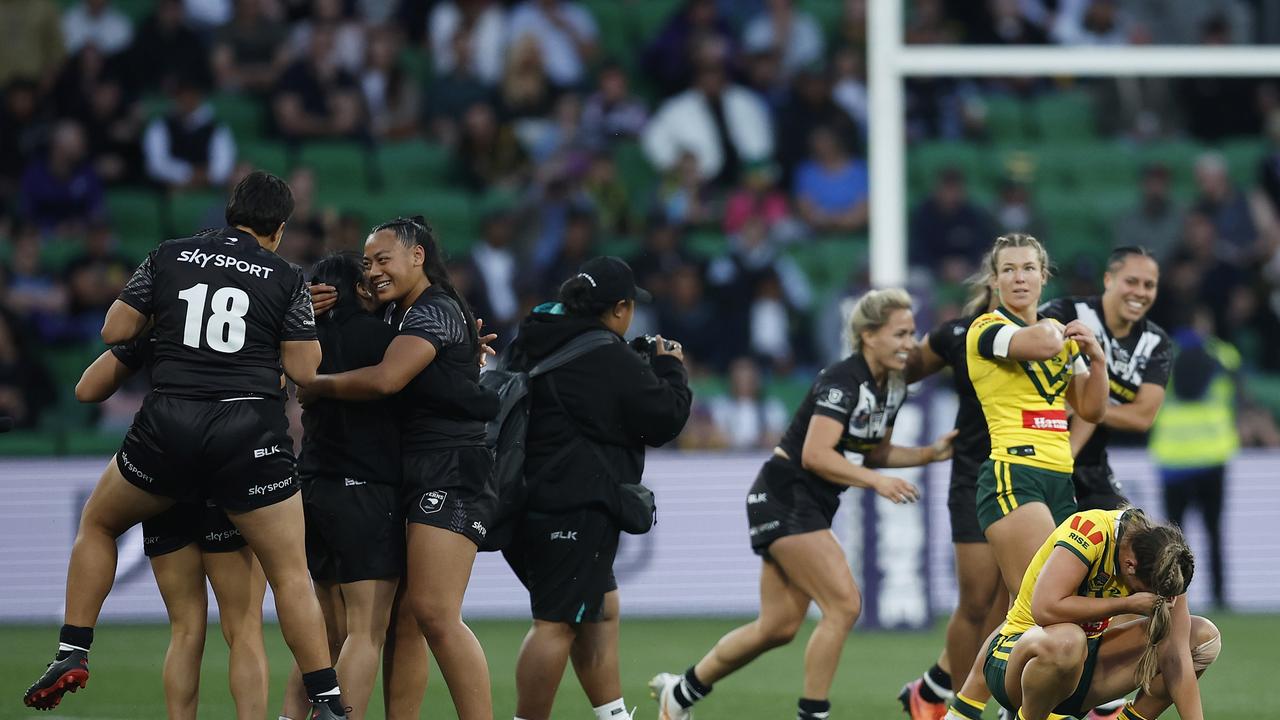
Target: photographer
589	422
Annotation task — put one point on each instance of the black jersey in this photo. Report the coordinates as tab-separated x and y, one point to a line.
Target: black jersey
1143	356
222	305
355	440
973	444
136	354
444	406
847	392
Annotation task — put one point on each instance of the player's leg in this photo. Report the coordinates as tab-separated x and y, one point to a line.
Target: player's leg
406	663
439	568
368	613
239	586
595	660
981	607
1016	538
329	596
180	577
1044	667
540	666
1117	659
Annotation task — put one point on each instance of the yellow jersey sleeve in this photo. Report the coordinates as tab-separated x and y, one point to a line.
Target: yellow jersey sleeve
1084	535
980	341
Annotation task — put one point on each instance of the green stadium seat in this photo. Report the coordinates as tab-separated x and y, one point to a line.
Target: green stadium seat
1008	119
451	214
634	169
1065	116
413	164
617	31
790	390
926	160
623	247
830	261
650	16
190	212
1179	156
273	157
135	215
707	243
25	443
1243	156
242	113
339	167
137	10
57	252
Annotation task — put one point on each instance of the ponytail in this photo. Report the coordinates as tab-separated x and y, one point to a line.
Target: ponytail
412	231
575	295
1165	564
979	284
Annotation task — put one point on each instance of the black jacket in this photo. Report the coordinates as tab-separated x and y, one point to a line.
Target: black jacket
614	404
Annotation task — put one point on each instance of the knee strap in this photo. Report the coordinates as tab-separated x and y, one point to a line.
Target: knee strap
1203	655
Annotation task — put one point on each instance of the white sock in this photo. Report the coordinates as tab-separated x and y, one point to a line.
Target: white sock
63	647
282	717
616	710
1113	705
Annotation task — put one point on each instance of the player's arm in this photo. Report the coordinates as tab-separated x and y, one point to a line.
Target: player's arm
1055	600
1139	415
923	362
1175	662
1080	430
1006	341
300	359
102	378
124	323
406	356
820	456
888	455
1089	388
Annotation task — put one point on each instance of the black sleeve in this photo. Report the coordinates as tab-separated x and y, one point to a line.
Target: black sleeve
1061	309
137	293
438	324
300	318
655	403
1158	367
135	354
943	339
834	396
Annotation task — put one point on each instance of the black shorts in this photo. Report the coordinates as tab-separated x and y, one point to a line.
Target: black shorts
236	453
785	500
355	529
188	522
566	562
451	489
962	503
1097	488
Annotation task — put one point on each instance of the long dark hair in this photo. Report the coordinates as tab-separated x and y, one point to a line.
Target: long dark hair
343	270
412	231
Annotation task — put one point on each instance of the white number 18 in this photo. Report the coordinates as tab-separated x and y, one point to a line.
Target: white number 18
226	328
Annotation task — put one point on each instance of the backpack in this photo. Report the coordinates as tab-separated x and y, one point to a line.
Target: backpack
505	434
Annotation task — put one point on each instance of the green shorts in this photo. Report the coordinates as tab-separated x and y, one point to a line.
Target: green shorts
1003	487
997	662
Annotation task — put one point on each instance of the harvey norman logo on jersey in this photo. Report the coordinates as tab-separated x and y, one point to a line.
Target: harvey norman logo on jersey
204	259
1050	420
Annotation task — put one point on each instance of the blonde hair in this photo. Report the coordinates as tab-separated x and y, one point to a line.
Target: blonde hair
980	290
1018	240
1165	565
872	312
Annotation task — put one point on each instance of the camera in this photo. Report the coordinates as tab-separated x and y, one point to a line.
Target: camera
647	346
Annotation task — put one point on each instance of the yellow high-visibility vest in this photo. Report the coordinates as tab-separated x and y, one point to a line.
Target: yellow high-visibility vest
1200	433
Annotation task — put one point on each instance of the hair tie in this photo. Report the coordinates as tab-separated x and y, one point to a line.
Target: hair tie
589	279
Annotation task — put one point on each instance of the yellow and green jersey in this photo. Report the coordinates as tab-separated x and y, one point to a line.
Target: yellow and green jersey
1023	400
1093	536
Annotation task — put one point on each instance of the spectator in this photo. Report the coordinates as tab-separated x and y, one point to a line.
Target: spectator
849	86
21	129
94	278
1197	276
613	113
793	33
576	247
746	416
566	35
1268	166
251	51
1007	24
1219	107
1156	223
488	155
26	390
166	47
928	25
669	58
61	192
608	194
1090	22
1014	211
831	187
96	23
721	124
1232	216
317	97
189	148
810	106
205	15
494	268
375	13
526	90
32	47
347	49
470	33
35	294
685	312
390	93
310	225
758	198
452	93
662	253
683	195
556	144
762	74
948	231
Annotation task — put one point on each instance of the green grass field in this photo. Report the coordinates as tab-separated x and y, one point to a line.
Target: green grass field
127	659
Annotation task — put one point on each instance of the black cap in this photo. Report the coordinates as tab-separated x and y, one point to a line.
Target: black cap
611	280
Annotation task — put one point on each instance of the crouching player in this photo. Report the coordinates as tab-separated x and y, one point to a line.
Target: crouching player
1056	652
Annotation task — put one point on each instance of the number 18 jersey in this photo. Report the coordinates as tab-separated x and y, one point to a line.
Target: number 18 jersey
222	305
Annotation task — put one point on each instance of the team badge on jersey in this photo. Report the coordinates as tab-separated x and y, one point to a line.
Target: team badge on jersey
432	501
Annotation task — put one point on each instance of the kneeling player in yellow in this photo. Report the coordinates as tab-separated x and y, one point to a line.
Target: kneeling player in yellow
1056	653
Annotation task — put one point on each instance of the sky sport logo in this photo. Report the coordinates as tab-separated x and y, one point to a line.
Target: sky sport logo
270	487
1049	420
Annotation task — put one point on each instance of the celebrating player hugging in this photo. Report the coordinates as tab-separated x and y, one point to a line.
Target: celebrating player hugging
401	484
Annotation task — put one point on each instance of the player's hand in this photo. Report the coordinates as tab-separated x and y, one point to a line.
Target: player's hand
486	348
942	447
1143	603
897	490
1084	337
323	298
306	396
676	351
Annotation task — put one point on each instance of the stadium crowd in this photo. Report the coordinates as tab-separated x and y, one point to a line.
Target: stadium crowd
719	146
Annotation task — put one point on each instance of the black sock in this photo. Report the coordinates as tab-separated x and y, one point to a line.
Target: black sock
72	637
935	677
690	689
322	687
813	709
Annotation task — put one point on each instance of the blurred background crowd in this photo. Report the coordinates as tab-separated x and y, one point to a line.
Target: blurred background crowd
718	145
